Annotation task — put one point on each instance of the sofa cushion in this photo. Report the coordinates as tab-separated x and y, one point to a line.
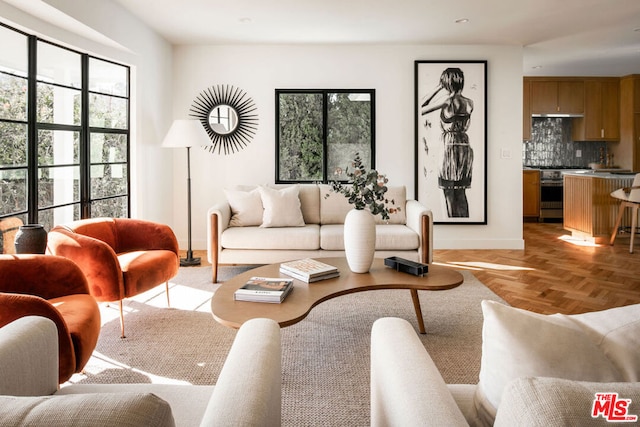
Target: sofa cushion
309	195
98	409
389	237
281	207
518	343
398	207
557	402
333	206
188	402
293	238
246	207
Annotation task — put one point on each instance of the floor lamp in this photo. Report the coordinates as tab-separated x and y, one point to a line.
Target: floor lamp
187	134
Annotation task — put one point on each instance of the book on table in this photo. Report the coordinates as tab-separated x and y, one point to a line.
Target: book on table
264	289
309	270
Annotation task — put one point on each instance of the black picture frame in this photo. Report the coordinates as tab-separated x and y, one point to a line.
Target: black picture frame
451	139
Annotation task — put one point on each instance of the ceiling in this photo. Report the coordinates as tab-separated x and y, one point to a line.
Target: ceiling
566	37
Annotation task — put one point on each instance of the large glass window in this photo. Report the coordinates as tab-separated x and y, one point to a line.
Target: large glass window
64	132
320	131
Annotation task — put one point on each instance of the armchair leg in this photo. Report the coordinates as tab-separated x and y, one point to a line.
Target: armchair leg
167	290
121	320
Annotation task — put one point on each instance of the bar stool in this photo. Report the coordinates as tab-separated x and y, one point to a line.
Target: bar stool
629	198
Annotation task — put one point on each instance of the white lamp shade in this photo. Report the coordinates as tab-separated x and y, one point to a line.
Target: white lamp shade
186	133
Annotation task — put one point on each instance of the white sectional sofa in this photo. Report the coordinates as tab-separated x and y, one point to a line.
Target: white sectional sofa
264	225
536	370
247	393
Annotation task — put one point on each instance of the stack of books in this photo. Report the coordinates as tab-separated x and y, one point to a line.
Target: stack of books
264	289
309	270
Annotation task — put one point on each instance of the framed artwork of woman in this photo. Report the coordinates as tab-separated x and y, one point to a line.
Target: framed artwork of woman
451	136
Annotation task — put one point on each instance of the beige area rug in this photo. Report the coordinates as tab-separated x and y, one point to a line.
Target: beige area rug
325	358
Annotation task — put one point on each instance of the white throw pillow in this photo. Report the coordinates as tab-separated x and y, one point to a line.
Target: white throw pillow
518	343
246	207
548	402
281	207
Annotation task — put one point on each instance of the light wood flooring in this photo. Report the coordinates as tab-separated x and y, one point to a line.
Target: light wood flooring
553	274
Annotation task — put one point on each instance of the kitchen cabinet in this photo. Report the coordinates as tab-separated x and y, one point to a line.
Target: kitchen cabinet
526	110
556	96
531	193
627	153
601	121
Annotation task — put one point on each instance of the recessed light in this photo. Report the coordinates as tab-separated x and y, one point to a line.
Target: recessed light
461	21
245	20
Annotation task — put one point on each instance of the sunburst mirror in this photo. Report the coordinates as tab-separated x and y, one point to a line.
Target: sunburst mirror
228	115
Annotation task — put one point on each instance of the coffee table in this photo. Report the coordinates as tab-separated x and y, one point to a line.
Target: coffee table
305	296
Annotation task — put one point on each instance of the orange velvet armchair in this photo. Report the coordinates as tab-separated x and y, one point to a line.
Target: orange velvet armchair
120	257
52	287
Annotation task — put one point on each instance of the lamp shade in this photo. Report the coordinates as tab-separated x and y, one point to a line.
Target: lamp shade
186	133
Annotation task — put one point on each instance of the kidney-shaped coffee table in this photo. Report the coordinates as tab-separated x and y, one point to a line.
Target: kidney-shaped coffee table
305	296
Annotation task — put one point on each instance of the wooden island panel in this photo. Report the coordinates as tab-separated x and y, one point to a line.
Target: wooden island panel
589	210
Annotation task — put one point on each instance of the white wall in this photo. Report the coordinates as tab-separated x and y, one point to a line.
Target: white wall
260	69
150	59
165	83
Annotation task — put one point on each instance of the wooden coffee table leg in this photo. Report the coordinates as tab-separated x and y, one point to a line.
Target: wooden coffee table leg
416	306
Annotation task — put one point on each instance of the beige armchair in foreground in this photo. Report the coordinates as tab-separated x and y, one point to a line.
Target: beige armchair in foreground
248	391
536	370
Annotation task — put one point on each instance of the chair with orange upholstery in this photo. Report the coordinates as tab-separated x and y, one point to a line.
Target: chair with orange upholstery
52	287
121	257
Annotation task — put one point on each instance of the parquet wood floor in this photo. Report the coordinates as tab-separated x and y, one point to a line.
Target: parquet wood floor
553	274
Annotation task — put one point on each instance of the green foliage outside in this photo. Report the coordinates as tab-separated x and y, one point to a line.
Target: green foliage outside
301	138
108	151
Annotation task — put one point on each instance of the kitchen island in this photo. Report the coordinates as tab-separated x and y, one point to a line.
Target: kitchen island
589	210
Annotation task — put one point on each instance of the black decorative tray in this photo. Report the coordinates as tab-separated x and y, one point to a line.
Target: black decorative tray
407	266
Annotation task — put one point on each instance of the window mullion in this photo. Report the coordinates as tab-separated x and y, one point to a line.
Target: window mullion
32	133
85	163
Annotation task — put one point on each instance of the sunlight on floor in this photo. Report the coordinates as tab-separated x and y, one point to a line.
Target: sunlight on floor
578	242
100	363
477	265
181	297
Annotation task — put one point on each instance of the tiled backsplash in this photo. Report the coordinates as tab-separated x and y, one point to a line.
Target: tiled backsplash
551	145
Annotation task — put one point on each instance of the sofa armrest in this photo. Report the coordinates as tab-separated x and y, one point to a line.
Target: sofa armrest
420	220
248	390
97	260
29	357
218	218
14	306
406	386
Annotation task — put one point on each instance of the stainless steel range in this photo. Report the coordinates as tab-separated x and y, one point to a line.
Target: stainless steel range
551	190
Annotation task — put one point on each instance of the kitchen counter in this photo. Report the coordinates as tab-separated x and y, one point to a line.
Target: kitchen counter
589	210
603	173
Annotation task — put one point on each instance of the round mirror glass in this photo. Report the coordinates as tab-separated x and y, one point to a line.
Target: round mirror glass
223	119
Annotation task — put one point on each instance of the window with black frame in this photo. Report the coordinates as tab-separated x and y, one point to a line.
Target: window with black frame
319	131
64	132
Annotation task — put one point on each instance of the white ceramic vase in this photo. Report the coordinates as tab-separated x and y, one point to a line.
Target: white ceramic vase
359	240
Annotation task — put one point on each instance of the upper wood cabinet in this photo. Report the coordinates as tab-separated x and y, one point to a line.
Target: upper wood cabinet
601	121
549	96
628	151
526	110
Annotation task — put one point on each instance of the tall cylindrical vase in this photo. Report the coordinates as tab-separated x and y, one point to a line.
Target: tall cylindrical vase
31	239
359	240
